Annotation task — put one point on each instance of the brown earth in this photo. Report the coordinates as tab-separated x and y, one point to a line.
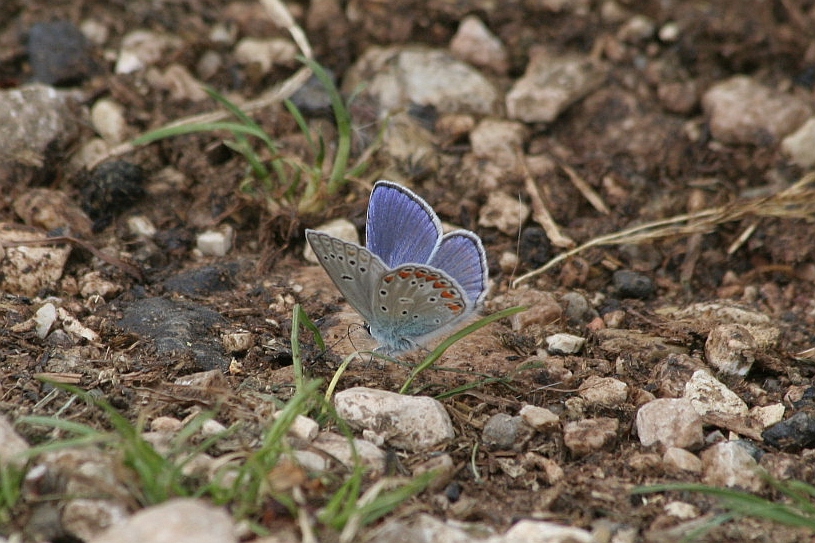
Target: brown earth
645	170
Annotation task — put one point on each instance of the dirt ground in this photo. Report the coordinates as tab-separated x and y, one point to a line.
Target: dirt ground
620	139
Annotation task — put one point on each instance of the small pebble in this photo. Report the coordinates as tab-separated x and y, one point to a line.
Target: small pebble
631	284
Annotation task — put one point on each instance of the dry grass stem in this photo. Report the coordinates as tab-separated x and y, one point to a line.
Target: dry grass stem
796	202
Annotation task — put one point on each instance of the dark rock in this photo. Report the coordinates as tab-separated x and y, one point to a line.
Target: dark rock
59	54
202	281
178	328
110	189
795	433
631	284
535	248
504	432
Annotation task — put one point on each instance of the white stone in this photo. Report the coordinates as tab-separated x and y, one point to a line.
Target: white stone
142	48
671	422
551	84
86	518
339	228
539	418
474	43
238	342
180	520
180	84
420	528
266	52
215	242
534	531
45	317
681	510
766	416
743	111
503	212
108	119
337	446
311	460
676	459
211	428
603	391
729	464
413	423
397	77
303	428
33	119
12	446
586	436
141	226
707	394
564	343
800	145
71	325
731	349
96	284
500	142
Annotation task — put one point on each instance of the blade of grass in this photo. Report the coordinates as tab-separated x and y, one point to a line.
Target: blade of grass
449	342
343	119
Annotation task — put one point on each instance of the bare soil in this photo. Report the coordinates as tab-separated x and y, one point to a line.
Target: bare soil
657	174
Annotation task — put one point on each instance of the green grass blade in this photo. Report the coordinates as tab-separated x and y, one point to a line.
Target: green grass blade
449	342
343	119
301	123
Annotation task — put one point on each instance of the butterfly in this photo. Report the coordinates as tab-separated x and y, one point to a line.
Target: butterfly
411	283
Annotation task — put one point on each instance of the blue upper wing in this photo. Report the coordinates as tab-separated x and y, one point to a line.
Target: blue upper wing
461	255
402	228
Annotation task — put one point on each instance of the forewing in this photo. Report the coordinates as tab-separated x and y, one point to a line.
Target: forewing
401	228
354	270
461	256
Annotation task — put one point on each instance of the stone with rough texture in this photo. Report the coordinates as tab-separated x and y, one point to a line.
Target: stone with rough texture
730	464
337	446
671	423
27	269
51	209
731	349
539	418
500	142
676	459
413	423
36	120
474	43
503	212
708	394
12	445
551	84
603	391
589	435
743	111
180	520
397	77
800	145
505	432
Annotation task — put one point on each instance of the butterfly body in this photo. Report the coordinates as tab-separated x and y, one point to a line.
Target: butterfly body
410	283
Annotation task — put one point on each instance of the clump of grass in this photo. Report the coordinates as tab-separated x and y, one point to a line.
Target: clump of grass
284	181
245	481
798	509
